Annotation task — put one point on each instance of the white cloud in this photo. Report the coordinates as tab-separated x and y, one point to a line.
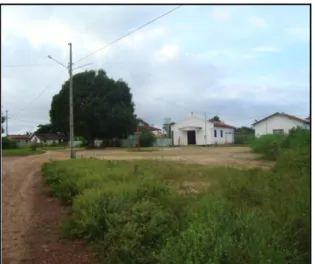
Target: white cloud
258	22
266	49
167	53
220	15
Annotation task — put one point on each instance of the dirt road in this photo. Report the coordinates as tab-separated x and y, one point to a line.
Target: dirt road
30	218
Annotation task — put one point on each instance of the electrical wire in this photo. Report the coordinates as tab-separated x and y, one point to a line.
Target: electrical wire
131	32
25	65
38	95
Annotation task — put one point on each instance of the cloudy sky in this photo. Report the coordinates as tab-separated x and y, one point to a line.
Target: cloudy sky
239	62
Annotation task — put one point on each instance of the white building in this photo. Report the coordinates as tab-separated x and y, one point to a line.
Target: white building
197	131
279	123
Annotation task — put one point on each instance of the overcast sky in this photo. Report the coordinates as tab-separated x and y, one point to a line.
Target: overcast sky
239	62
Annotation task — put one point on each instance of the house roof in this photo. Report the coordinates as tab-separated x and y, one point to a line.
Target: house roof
142	121
19	137
50	136
285	115
221	124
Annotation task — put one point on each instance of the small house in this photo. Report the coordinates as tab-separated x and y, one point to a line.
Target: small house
279	123
21	140
49	139
197	131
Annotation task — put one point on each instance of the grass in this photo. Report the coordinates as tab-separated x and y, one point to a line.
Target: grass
21	152
165	212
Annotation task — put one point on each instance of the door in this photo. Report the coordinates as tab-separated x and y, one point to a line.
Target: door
191	137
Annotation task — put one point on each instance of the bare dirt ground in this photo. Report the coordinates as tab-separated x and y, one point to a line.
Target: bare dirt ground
210	156
30	218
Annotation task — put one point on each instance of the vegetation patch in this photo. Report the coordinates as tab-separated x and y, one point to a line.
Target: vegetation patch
137	211
21	152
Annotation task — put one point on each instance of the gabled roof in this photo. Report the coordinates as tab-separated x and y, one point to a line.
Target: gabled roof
50	136
142	121
304	121
19	137
221	124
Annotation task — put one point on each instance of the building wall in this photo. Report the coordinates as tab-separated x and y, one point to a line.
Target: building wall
277	122
22	142
180	137
224	137
48	142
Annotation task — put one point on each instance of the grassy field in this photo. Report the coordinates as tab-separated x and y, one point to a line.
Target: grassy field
21	152
27	151
165	212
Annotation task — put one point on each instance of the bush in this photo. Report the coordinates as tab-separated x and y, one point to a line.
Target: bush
246	216
243	138
8	144
111	143
268	145
147	139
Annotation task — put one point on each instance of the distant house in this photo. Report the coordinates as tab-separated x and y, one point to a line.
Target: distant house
197	131
144	126
21	140
49	139
279	123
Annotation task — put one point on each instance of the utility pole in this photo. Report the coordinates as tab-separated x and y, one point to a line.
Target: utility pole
6	122
71	104
205	129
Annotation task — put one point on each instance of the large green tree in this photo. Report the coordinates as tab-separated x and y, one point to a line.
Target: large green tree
215	118
2	121
103	107
46	128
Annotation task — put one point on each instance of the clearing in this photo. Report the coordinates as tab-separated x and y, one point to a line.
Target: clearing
30	218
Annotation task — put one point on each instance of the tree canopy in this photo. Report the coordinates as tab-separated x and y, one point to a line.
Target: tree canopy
47	128
215	118
102	107
2	121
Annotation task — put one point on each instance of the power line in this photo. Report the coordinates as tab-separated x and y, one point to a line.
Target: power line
25	65
37	96
131	32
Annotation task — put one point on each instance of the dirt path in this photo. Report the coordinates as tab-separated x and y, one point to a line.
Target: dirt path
30	219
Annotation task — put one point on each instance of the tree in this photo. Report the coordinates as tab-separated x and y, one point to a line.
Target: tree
47	128
215	118
308	118
103	108
2	121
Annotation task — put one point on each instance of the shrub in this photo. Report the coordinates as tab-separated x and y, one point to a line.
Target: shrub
111	143
268	145
147	139
8	144
245	216
243	138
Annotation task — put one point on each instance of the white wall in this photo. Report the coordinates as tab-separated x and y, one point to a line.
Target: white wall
226	138
277	122
192	121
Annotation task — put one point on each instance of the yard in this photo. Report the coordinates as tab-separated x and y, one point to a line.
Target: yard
163	205
235	156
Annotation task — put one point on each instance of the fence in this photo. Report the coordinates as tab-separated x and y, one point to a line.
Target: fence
159	142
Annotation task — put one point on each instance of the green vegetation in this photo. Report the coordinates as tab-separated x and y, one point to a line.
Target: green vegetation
8	144
165	212
272	145
244	135
21	152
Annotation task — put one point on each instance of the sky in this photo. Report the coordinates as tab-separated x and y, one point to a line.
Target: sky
241	63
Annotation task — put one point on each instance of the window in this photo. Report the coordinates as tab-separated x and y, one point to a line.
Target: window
278	131
221	132
26	141
215	133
